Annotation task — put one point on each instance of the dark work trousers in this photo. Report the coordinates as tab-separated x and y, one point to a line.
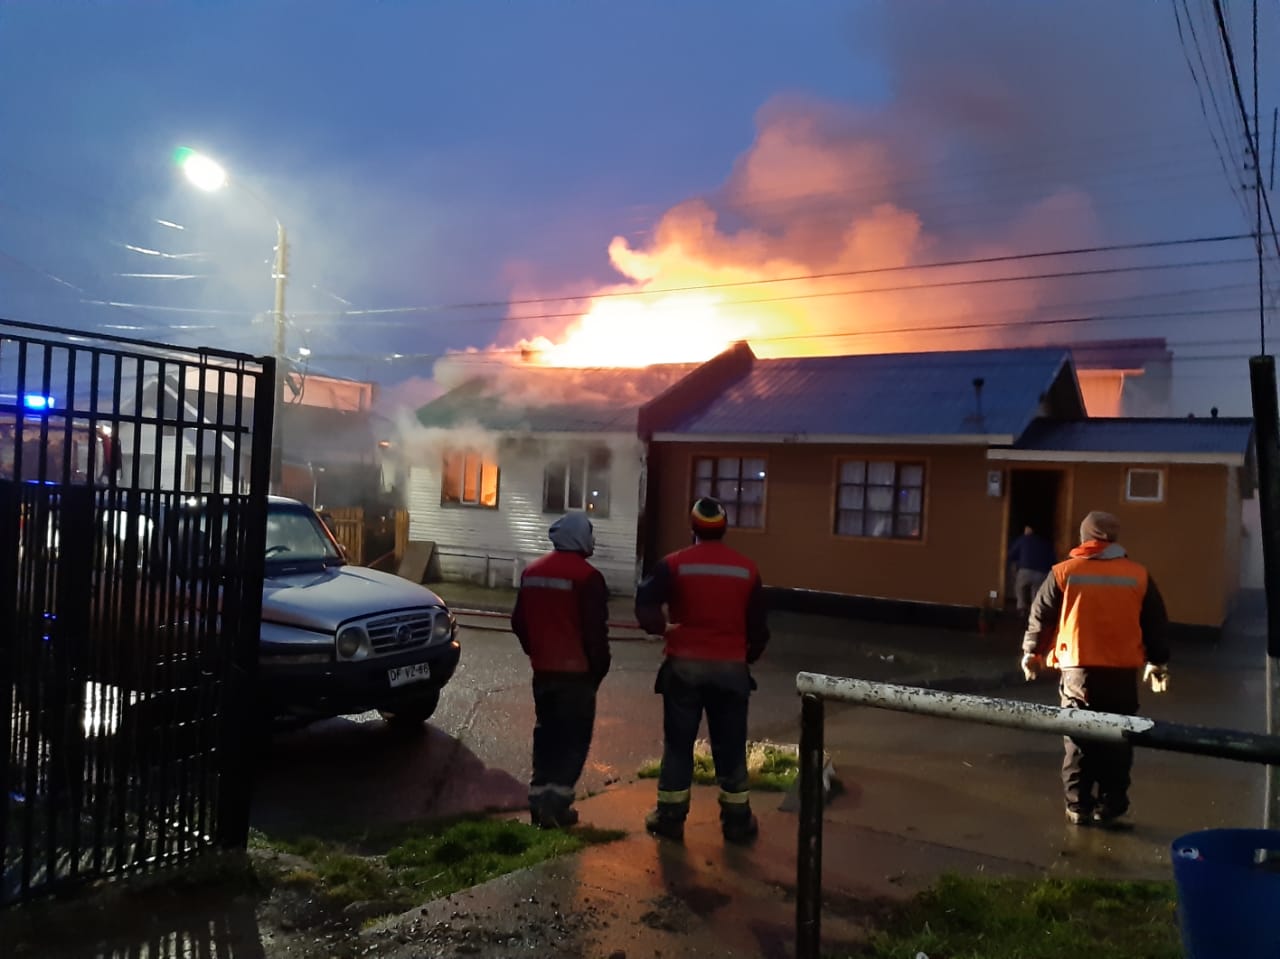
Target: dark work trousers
721	690
565	707
1090	765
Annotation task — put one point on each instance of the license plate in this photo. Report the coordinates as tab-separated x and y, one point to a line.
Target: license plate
413	673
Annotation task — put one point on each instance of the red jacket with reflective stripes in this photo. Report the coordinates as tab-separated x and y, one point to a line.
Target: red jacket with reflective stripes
715	601
561	615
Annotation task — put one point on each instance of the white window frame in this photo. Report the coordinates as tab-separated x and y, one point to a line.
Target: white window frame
565	464
898	488
1128	485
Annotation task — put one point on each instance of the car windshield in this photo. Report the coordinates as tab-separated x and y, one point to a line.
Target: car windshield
297	535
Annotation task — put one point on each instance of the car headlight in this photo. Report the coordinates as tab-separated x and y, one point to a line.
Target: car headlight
350	641
441	627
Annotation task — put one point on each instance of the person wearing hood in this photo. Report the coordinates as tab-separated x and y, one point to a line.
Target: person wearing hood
561	618
1100	619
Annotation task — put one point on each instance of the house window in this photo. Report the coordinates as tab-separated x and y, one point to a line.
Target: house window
880	498
1144	486
578	480
469	479
737	483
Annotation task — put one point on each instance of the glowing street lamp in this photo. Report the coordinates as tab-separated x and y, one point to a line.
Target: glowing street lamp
207	174
204	172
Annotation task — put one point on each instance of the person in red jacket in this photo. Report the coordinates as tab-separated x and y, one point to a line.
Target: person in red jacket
1100	619
561	619
715	601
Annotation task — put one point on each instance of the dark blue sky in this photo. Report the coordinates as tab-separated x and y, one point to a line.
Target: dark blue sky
436	152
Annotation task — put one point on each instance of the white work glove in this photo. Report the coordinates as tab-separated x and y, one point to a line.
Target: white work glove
1157	677
1032	665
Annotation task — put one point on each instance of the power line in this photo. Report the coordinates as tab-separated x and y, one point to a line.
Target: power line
835	274
786	298
1223	148
927	328
1244	116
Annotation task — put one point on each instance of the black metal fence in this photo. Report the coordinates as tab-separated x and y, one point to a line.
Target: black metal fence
133	484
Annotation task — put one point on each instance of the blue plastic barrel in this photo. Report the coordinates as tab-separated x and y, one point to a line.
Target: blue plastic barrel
1228	902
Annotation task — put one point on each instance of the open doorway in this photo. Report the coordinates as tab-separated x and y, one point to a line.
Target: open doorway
1035	500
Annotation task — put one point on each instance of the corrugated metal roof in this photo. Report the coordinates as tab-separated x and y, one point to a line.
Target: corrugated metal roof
901	394
1173	436
554	399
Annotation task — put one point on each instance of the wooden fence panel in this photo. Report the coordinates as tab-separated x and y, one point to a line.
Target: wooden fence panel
348	529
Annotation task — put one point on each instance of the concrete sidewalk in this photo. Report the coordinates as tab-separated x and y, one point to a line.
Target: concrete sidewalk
641	896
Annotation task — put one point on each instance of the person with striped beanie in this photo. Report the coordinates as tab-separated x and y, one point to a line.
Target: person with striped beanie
714	626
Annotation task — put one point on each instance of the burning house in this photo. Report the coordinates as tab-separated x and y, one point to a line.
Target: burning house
879	478
494	461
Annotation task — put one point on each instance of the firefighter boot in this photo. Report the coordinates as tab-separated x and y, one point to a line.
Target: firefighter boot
737	822
550	811
667	821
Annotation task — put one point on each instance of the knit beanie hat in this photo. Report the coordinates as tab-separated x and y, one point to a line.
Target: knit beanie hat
1099	525
708	518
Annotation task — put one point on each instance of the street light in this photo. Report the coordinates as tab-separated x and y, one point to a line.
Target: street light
207	174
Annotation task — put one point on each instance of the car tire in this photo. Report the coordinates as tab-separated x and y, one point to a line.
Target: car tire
411	716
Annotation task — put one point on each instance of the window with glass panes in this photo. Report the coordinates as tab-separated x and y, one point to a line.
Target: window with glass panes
880	498
469	478
736	482
578	481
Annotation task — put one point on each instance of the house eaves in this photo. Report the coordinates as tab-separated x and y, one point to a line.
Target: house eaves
837	439
1095	456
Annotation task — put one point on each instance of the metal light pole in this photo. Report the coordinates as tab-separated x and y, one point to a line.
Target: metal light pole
280	272
209	175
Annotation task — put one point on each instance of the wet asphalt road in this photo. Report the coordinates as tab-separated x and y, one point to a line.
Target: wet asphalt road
474	754
992	790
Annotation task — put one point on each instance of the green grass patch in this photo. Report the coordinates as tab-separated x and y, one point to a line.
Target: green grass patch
770	767
962	918
401	867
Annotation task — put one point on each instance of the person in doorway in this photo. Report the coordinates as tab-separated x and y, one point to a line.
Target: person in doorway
715	600
1031	556
561	618
1100	619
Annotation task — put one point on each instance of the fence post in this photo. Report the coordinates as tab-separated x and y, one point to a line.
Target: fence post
809	860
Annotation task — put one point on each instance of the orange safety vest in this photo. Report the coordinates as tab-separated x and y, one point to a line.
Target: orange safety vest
710	587
1100	624
551	594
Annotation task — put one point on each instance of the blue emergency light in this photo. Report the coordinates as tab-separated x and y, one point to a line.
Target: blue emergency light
35	401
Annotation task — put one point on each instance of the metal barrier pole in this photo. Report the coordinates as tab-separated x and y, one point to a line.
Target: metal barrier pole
809	859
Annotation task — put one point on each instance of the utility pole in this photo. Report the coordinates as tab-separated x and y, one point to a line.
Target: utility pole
1266	425
280	274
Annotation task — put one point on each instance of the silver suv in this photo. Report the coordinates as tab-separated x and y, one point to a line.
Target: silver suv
339	639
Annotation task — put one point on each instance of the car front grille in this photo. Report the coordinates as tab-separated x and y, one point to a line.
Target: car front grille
392	634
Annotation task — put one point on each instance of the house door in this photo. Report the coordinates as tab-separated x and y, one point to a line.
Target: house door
1036	500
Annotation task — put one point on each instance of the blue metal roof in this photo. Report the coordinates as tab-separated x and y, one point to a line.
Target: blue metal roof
553	399
890	395
1170	436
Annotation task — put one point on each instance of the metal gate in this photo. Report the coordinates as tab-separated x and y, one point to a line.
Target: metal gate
133	486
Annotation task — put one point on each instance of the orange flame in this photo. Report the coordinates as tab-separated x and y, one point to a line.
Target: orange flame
811	270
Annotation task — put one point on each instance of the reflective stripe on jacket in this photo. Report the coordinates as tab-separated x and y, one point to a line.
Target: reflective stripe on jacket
710	588
1100	623
550	612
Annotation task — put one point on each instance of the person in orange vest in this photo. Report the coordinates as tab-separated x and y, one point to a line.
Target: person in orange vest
718	627
1100	619
561	618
